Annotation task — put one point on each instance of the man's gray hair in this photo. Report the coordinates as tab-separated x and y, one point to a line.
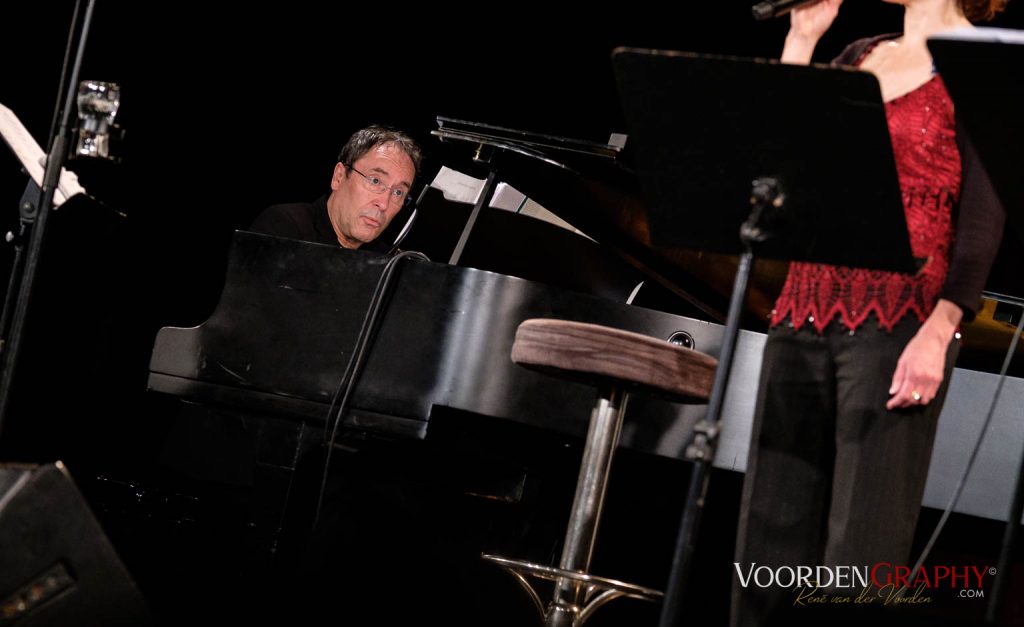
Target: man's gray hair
365	140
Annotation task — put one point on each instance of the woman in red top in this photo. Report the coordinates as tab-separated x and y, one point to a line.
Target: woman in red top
857	361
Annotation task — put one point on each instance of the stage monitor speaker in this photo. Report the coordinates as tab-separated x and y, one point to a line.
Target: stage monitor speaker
56	565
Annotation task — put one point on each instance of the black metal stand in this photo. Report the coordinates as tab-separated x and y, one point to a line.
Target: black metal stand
492	141
1012	524
482	201
766	197
27	215
54	162
696	160
979	70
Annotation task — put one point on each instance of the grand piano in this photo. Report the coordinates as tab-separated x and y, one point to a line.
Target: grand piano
281	336
439	395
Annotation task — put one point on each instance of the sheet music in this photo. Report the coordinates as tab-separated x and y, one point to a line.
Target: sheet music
463	188
32	157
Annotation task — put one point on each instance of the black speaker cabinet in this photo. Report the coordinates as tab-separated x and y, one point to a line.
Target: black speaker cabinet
56	565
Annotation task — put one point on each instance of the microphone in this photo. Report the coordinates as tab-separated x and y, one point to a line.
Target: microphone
775	8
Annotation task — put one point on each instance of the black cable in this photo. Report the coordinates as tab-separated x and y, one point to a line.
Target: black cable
13	281
362	337
410	222
353	369
970	462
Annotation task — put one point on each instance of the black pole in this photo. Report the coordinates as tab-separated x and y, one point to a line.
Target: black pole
1013	520
767	200
18	241
486	193
699	476
1006	553
51	179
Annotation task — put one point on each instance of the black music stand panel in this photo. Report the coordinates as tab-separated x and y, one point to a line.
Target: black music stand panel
704	127
985	79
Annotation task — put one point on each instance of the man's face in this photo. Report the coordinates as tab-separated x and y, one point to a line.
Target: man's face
358	213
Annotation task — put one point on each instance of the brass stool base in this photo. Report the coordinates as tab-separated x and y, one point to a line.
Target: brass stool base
596	591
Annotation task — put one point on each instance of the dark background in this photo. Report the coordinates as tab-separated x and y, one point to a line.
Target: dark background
229	107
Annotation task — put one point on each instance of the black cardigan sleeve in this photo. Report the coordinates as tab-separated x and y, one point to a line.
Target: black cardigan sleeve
979	230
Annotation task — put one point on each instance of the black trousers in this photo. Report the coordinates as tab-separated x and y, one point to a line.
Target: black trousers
833	477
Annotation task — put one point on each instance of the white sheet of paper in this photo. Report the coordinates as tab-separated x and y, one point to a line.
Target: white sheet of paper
464	188
459	187
32	156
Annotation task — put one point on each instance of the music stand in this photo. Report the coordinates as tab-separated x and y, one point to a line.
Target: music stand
755	157
23	277
491	140
978	69
981	70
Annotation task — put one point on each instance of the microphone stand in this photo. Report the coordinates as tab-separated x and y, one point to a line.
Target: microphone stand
1012	529
54	162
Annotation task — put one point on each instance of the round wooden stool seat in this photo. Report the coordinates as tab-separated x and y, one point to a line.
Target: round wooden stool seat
602	355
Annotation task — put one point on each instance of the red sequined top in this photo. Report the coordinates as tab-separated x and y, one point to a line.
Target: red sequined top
923	133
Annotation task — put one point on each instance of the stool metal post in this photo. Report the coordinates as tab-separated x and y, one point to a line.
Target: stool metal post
619	363
581	533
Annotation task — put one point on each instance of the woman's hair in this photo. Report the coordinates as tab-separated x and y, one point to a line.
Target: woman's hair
981	10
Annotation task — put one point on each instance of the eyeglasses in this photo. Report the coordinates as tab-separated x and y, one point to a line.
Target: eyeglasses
377	186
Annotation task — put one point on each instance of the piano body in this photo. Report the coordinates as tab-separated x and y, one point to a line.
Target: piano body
442	347
290	312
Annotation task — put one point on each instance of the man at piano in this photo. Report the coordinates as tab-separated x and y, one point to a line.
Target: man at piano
370	185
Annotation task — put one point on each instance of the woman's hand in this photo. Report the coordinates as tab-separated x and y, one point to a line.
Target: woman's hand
920	369
806	26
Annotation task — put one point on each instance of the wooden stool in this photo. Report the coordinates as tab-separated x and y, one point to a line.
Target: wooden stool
618	363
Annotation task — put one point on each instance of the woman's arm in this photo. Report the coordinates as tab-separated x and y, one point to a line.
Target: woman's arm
806	26
979	230
921	366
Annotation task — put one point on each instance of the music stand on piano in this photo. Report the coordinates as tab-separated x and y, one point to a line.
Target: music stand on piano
981	70
758	175
490	141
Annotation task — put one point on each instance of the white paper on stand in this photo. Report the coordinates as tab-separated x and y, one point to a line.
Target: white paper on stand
32	157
